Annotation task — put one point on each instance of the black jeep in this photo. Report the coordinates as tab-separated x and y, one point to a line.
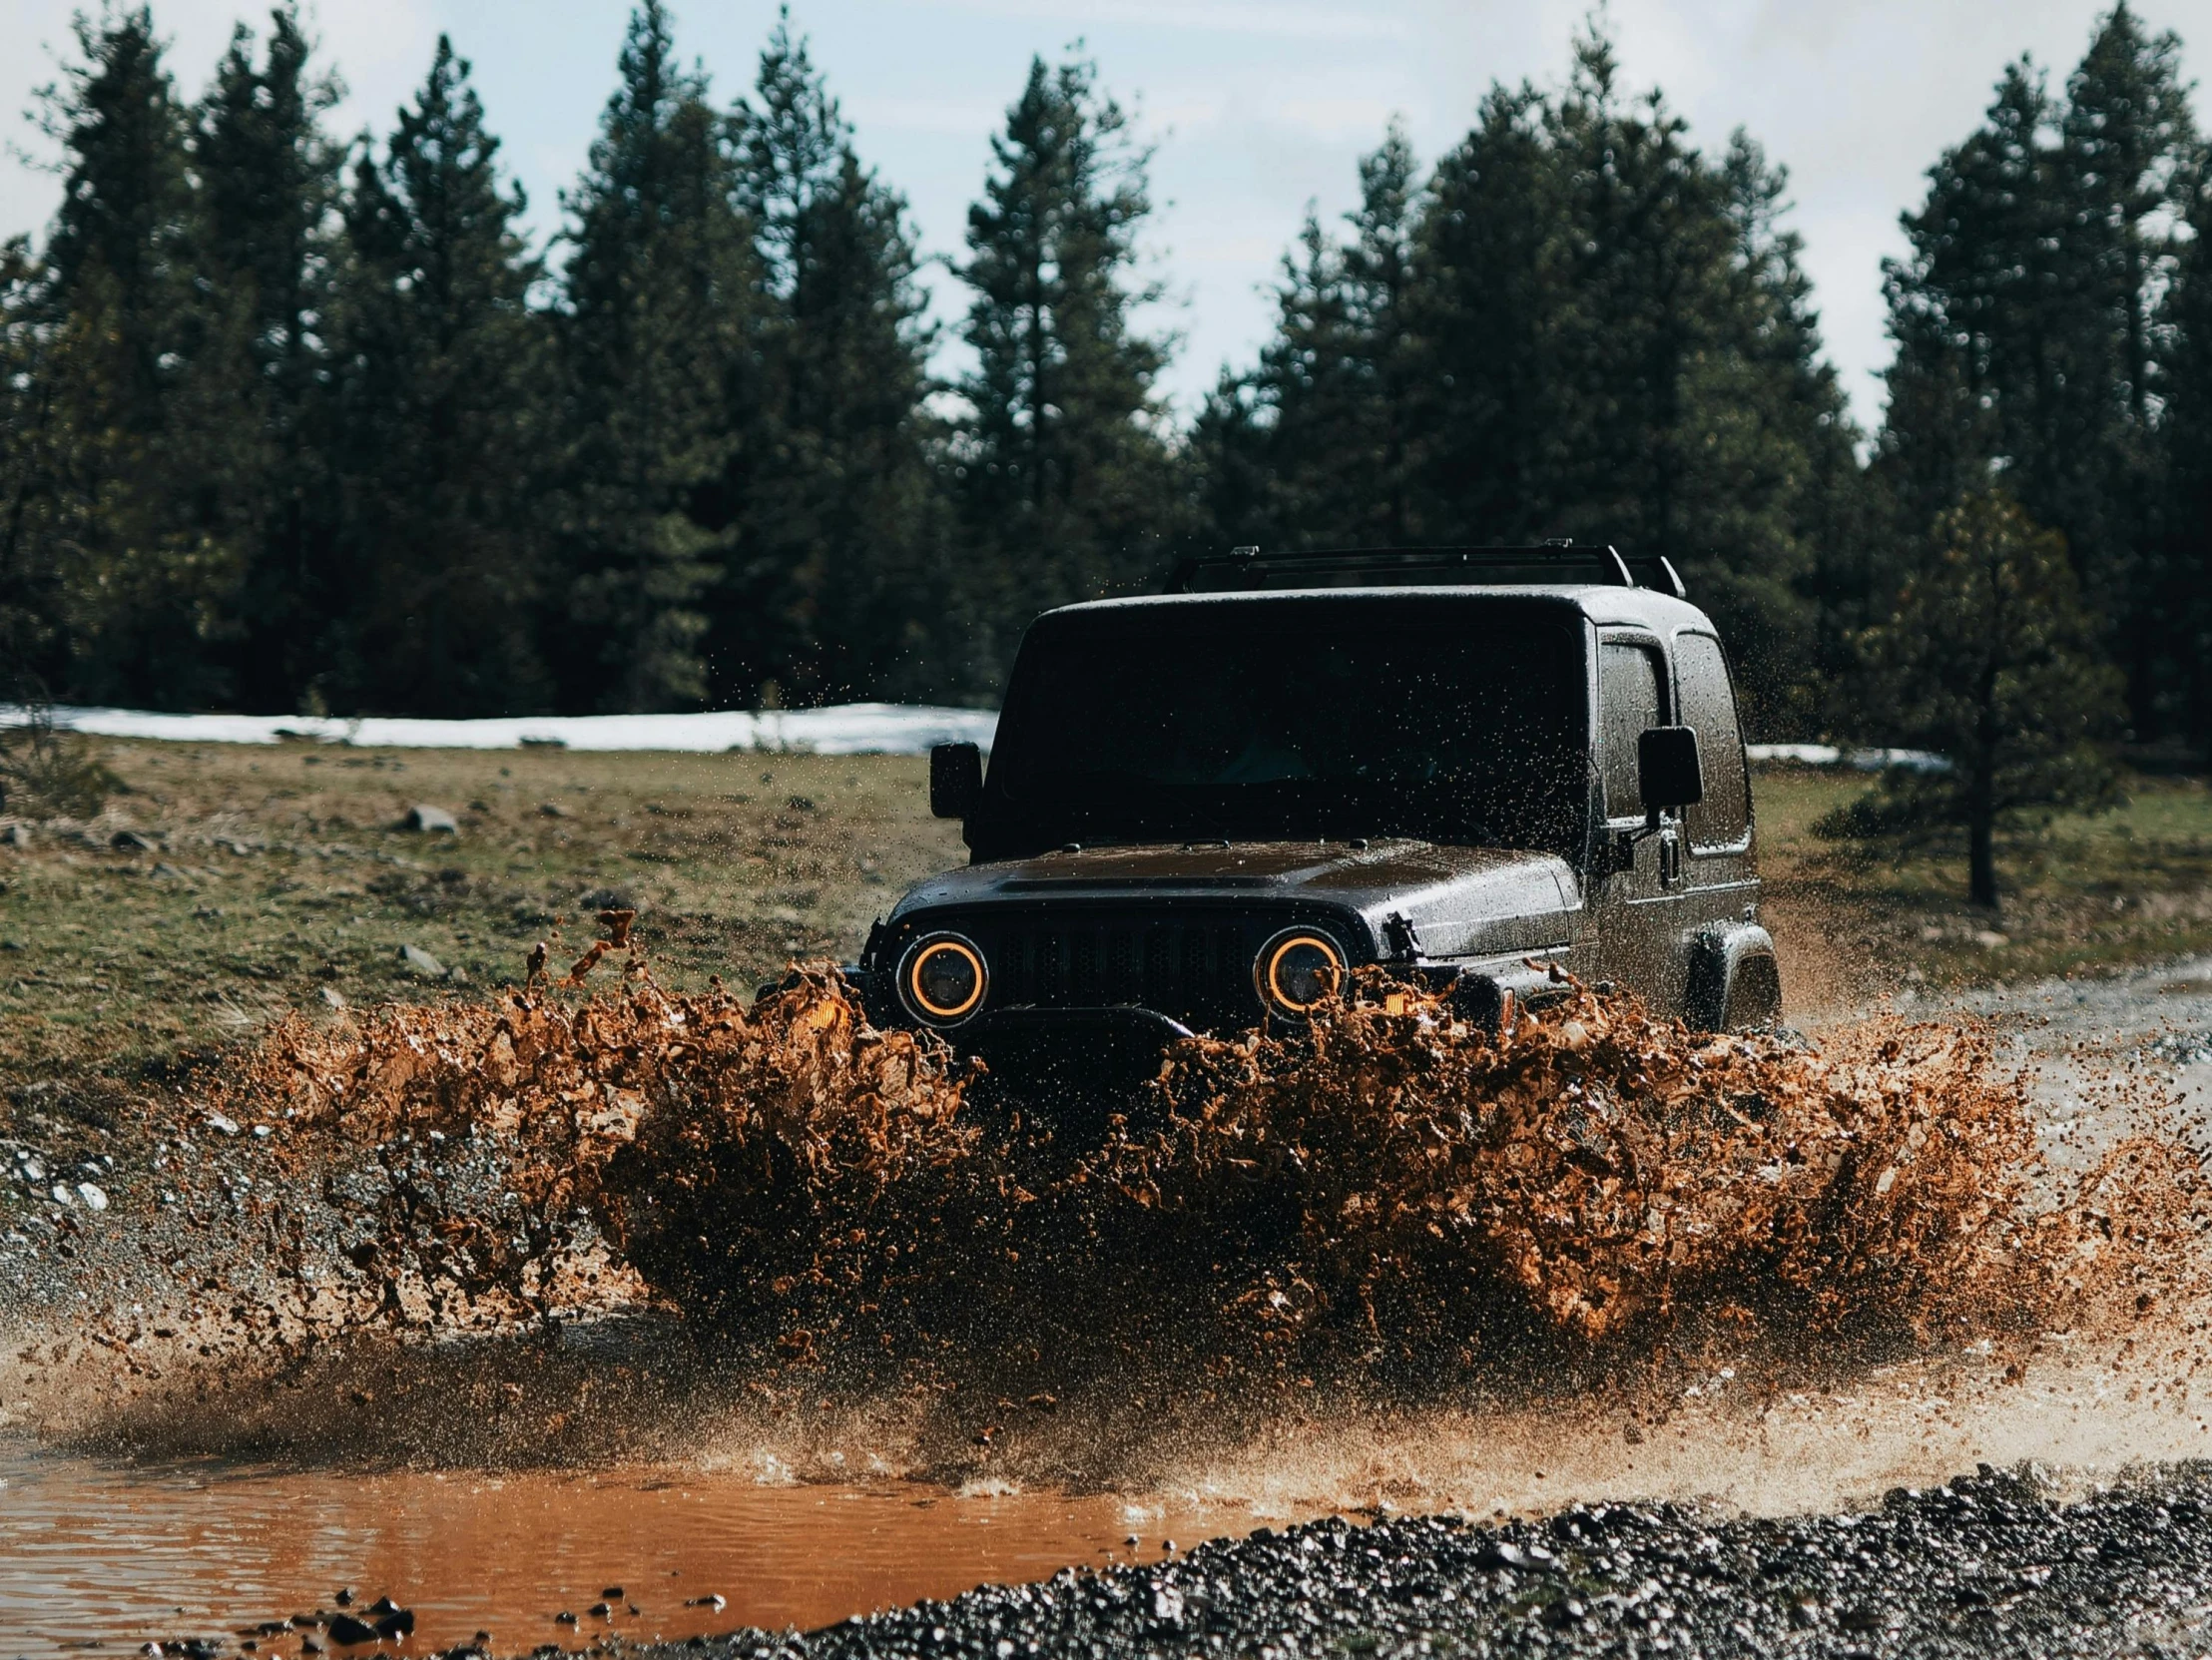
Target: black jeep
1204	808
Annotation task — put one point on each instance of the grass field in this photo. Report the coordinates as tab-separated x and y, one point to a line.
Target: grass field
2084	892
277	878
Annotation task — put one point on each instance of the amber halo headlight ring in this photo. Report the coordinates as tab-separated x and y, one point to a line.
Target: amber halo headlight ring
1298	970
942	978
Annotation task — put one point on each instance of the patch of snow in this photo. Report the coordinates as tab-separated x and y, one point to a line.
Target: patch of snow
839	728
1859	761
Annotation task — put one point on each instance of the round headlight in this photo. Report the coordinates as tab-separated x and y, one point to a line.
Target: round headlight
943	979
1298	970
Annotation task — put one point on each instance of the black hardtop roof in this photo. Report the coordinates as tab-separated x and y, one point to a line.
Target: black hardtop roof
1607	607
1560	562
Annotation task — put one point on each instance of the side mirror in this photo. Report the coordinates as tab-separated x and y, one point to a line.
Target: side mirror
956	779
1667	770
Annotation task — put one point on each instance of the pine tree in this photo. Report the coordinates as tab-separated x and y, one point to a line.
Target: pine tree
1989	660
660	294
1487	296
1646	244
40	511
1338	383
441	429
270	188
1584	327
135	404
1062	468
2026	323
844	587
1972	309
1773	511
2185	542
2128	145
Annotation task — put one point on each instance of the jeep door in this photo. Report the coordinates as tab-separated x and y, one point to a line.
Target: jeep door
1638	904
1720	879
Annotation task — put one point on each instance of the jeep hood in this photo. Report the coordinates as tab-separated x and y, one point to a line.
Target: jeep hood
1461	901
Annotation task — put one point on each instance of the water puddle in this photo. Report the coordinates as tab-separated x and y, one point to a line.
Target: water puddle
107	1556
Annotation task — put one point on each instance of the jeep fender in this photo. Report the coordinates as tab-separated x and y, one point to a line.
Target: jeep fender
1735	980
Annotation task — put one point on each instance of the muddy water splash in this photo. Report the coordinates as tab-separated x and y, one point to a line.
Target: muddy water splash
1391	1198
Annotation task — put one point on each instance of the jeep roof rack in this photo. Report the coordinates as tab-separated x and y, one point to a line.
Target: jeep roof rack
1247	568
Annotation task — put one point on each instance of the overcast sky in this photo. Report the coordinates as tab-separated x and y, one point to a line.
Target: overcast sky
1257	107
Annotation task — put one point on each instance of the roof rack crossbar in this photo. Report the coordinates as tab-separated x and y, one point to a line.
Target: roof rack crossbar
1548	563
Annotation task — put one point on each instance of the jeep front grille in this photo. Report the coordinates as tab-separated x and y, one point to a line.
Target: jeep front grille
1194	966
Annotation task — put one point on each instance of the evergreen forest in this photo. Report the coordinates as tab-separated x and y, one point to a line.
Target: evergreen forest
296	423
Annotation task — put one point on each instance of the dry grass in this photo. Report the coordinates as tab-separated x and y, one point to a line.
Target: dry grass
276	879
2083	895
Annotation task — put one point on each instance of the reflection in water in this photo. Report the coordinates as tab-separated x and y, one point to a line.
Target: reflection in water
97	1552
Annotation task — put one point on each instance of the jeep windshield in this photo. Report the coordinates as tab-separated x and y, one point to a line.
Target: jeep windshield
1451	719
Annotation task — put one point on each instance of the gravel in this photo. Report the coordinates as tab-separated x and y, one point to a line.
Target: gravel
1984	1566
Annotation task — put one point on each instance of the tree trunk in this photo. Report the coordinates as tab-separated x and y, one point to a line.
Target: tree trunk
1982	857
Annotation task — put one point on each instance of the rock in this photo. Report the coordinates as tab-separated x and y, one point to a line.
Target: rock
61	1195
613	1594
602	1610
553	810
344	1596
564	1617
1503	1553
421	962
712	1599
162	867
1566	1611
94	1198
398	1623
344	1628
15	835
130	842
424	819
334	996
221	1125
383	1606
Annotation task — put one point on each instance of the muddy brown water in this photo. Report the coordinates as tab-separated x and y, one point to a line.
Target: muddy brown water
97	1555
